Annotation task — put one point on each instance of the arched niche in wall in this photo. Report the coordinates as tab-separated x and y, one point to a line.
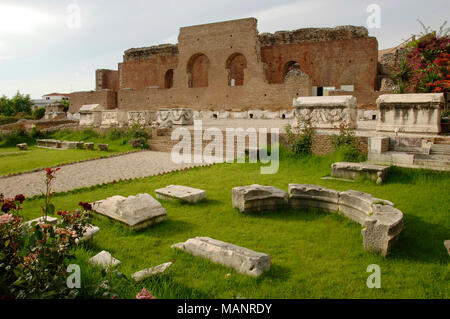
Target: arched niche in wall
290	66
197	70
168	79
236	63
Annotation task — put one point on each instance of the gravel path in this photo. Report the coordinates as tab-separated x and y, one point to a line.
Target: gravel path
135	165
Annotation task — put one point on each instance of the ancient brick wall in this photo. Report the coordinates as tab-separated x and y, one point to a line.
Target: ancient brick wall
258	96
330	63
146	67
228	65
106	98
106	79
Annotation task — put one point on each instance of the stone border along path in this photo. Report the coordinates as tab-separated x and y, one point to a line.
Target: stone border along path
93	172
69	163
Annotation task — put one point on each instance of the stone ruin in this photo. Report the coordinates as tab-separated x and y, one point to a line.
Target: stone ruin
381	221
243	260
137	212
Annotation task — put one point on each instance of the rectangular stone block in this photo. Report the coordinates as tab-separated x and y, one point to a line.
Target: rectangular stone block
243	260
327	112
378	144
415	113
137	212
68	145
184	193
354	170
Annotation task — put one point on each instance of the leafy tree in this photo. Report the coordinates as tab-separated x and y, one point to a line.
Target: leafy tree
19	103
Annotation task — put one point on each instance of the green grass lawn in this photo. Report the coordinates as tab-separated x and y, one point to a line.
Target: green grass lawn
13	161
314	254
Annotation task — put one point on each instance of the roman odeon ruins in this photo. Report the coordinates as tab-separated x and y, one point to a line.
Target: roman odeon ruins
227	71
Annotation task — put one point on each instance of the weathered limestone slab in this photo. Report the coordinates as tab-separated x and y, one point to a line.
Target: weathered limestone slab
22	146
104	259
146	273
314	196
184	193
255	114
378	144
137	212
257	198
178	116
243	260
103	147
327	111
418	113
141	117
354	170
39	220
69	145
358	205
382	228
114	118
91	115
48	143
447	245
271	115
182	116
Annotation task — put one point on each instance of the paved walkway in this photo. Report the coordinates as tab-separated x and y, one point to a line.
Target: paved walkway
73	176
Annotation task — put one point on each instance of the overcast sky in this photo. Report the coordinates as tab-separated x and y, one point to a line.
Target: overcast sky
45	47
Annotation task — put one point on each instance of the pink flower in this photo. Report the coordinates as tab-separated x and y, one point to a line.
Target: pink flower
144	294
6	218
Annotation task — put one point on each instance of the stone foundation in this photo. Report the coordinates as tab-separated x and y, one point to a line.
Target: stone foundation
383	223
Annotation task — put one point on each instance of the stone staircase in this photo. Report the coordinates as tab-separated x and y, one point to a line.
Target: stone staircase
434	153
439	156
163	143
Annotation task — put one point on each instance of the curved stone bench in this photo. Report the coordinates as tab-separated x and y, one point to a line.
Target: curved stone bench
258	198
383	223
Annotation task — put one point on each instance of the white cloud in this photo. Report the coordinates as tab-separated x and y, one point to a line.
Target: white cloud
16	20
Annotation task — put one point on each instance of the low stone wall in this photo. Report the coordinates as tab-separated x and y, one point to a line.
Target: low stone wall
114	118
383	223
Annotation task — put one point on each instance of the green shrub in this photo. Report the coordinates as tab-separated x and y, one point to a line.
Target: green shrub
300	142
346	144
39	113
